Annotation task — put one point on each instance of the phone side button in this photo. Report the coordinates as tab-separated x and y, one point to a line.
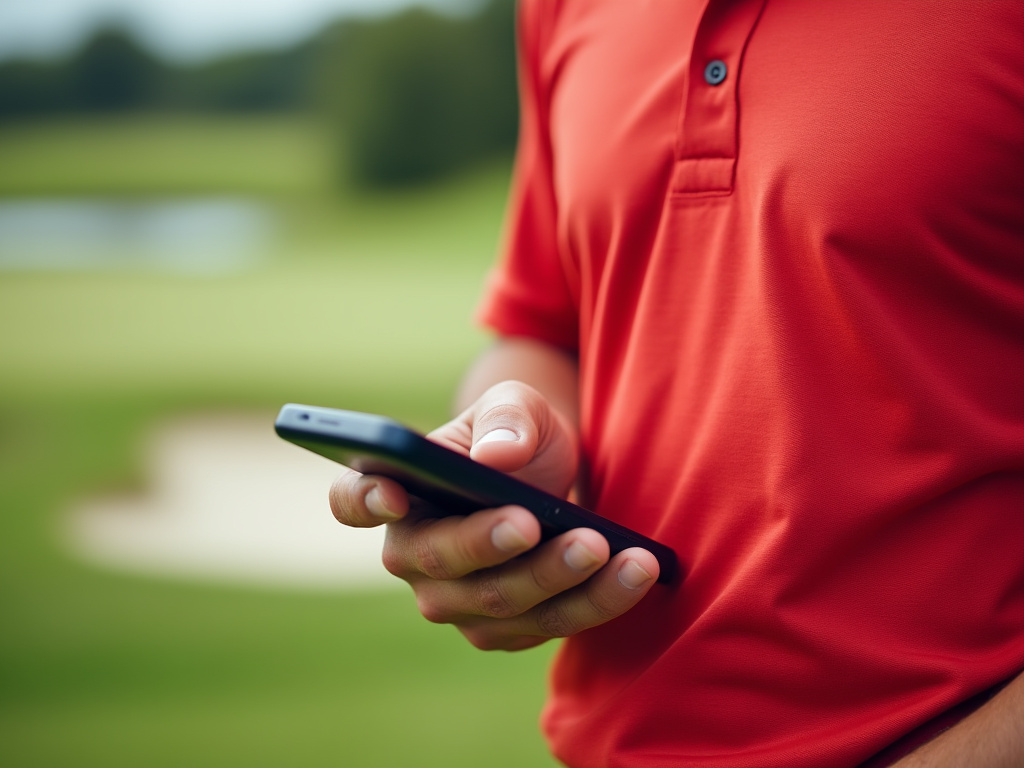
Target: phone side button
549	516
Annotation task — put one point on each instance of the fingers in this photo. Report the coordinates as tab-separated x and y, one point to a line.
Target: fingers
451	547
365	501
608	594
488	573
476	572
516	587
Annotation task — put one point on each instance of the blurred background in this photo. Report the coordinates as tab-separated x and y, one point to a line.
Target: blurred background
209	208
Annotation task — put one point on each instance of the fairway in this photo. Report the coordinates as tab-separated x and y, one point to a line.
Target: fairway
359	302
164	155
348	330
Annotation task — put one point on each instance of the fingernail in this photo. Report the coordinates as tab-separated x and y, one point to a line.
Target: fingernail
507	538
579	558
374	501
632	575
499	436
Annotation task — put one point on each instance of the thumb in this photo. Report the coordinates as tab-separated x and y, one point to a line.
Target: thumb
515	429
507	422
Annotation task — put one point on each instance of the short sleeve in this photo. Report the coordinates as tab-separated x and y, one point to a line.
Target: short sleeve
527	293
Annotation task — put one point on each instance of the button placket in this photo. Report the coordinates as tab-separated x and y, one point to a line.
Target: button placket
706	147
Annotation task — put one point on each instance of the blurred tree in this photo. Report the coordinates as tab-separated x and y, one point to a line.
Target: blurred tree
248	82
419	95
32	88
114	73
409	97
496	29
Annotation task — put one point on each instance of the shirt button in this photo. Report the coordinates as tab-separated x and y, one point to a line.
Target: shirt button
715	72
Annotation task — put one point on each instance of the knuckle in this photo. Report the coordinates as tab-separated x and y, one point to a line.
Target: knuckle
505	413
495	600
429	561
504	410
554	621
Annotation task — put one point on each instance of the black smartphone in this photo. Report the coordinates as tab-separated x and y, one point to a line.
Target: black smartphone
451	482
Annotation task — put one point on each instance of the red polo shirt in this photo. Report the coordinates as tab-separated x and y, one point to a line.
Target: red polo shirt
787	241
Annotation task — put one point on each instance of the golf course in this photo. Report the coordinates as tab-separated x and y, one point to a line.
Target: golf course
210	268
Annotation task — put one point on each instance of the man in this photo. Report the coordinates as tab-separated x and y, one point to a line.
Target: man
762	300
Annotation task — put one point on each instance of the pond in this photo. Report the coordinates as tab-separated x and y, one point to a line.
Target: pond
193	236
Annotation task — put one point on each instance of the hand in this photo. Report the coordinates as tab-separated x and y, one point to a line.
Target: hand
487	573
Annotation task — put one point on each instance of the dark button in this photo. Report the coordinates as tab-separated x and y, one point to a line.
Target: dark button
715	72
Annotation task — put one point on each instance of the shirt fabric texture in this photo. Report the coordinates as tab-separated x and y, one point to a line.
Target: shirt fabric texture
797	297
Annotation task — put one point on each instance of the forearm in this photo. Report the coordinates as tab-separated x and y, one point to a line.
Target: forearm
992	737
551	371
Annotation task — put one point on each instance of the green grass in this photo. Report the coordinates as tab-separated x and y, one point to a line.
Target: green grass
364	302
103	670
160	155
343	331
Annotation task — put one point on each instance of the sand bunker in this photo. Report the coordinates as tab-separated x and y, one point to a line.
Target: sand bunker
229	501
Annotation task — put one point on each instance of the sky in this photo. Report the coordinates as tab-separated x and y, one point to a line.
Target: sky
180	30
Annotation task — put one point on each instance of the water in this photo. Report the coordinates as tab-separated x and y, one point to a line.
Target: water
195	236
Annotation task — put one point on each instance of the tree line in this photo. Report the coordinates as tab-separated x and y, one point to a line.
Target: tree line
410	97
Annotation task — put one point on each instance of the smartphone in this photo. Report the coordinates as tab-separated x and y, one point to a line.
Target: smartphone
451	482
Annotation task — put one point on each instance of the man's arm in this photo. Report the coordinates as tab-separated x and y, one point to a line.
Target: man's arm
992	737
